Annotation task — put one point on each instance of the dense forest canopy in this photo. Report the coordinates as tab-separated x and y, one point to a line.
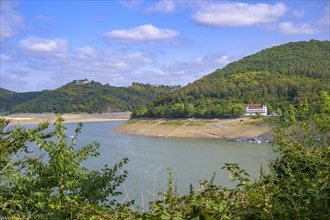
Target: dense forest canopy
91	97
9	99
277	77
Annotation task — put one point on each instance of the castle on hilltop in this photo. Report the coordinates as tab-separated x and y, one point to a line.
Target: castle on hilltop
81	81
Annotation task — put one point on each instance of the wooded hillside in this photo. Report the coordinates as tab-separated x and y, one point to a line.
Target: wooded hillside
277	77
9	99
92	97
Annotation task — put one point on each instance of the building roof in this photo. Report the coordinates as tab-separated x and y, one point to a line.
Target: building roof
254	106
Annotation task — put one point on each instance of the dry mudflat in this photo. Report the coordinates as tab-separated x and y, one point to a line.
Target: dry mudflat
197	128
188	128
35	118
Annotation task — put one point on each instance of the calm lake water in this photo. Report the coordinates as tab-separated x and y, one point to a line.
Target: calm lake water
149	159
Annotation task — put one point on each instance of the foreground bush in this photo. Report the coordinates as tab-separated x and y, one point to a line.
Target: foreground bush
53	185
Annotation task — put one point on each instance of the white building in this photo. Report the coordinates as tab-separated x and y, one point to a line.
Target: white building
253	109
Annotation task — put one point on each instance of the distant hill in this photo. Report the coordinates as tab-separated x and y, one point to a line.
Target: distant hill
9	99
85	96
277	77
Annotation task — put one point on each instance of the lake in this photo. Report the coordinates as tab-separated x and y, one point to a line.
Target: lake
149	159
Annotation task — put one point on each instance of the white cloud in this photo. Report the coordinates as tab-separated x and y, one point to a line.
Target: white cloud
131	4
45	18
290	28
4	57
325	20
11	22
298	13
238	14
86	53
164	6
146	32
56	46
180	72
37	71
116	67
213	60
188	71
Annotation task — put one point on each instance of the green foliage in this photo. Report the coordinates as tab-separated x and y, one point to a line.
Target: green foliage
54	185
296	187
9	99
91	97
277	77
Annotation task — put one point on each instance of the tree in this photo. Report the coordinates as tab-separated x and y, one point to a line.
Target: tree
296	187
54	185
301	171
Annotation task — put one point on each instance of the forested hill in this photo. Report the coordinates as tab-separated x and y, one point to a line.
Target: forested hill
9	99
277	77
91	97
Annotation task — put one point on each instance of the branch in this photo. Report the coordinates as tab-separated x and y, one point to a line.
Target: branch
19	151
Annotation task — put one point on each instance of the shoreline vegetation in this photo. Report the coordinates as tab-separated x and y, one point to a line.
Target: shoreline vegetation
36	118
241	128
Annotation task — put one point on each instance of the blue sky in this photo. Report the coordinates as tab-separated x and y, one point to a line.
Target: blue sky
45	44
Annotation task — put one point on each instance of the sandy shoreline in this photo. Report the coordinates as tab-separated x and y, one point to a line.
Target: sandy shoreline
186	128
197	128
35	118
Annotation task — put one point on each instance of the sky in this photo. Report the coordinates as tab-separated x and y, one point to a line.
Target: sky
46	44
